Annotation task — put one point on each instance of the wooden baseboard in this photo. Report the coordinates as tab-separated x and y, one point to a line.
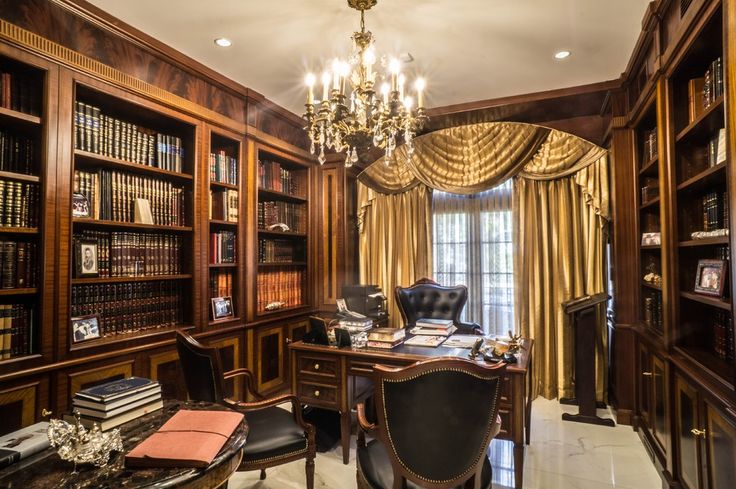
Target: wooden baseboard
625	417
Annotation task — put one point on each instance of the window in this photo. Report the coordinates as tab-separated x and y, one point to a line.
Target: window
473	246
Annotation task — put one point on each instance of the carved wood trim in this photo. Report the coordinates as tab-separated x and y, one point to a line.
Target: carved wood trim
61	54
331	226
26	394
78	379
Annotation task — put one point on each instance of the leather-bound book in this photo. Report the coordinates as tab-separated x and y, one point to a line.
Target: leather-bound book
188	439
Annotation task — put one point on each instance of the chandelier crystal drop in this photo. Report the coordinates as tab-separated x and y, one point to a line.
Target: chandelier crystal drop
351	115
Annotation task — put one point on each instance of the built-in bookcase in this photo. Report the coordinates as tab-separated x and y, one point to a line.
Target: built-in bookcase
132	180
282	220
224	217
701	170
23	128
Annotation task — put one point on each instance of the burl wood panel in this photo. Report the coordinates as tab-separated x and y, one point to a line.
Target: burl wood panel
166	368
230	357
18	405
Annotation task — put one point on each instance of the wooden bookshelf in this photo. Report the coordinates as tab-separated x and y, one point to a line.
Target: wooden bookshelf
148	278
85	159
14	117
86	221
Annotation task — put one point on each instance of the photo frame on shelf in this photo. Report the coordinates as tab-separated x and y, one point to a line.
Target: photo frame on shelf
85	328
651	239
222	308
85	259
710	277
80	206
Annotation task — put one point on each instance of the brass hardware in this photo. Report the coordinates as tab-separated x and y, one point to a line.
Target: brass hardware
288	340
647	374
698	433
362	4
316	366
45	413
316	393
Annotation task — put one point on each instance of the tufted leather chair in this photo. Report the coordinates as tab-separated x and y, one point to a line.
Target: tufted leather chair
427	299
442	445
275	435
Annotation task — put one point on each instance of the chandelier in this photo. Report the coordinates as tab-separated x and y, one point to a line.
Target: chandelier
358	119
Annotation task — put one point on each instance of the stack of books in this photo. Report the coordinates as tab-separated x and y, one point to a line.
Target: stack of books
386	338
434	327
356	325
117	402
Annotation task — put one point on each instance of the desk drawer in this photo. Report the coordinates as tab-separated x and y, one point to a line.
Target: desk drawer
317	393
317	365
365	368
507	417
505	394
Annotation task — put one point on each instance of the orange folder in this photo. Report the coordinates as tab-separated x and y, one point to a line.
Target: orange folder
188	439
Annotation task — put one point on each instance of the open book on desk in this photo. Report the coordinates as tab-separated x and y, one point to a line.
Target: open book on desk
461	341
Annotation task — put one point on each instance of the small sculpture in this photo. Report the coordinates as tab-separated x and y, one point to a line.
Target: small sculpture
73	442
275	305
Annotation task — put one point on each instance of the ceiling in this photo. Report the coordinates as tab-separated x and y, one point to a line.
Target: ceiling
467	50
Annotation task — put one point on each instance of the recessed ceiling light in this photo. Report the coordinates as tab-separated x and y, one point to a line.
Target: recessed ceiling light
562	54
223	42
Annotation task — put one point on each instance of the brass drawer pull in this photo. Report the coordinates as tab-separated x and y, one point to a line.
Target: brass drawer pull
647	374
698	433
45	413
316	366
316	393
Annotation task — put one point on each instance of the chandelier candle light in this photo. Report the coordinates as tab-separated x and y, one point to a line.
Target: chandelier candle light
361	119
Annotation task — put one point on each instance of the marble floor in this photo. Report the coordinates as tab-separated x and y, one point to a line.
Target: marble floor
561	455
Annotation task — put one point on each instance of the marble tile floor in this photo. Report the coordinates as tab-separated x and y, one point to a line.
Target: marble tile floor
561	455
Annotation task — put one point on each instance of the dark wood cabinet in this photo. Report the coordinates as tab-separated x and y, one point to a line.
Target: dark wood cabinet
652	394
687	420
720	441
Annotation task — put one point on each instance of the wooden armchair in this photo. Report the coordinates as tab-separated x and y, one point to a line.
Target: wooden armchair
442	445
275	437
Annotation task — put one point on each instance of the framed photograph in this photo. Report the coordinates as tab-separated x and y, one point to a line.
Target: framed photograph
341	305
80	206
85	328
651	239
222	308
710	277
85	258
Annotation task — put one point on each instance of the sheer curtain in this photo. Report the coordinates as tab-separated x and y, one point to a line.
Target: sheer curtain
473	245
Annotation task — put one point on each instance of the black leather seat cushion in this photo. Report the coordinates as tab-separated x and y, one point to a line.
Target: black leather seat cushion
272	433
375	466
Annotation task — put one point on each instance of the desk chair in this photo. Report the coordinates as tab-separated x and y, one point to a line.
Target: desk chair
275	436
442	445
427	299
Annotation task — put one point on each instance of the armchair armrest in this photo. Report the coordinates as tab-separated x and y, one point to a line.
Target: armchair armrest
296	408
250	384
365	425
469	328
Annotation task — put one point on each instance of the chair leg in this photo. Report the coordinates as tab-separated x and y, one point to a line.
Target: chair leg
310	473
263	474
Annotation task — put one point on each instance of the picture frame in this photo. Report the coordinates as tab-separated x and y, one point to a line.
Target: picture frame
710	278
85	258
80	206
85	328
222	308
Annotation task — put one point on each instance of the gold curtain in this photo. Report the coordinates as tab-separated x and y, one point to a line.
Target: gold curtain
395	240
561	235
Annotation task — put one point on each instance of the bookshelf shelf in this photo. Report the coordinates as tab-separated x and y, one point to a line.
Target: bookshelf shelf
219	222
705	358
109	280
14	230
705	178
86	159
283	264
650	204
281	234
85	221
718	240
650	167
651	285
223	185
19	118
709	121
275	195
219	322
651	247
23	291
223	265
284	309
132	335
710	301
21	177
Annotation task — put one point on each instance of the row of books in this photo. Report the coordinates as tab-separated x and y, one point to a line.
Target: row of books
650	145
20	92
221	283
285	286
112	196
293	215
128	307
113	403
19	264
223	168
17	153
19	204
124	254
653	310
101	134
271	176
279	251
223	247
716	149
703	91
723	338
16	330
224	205
715	210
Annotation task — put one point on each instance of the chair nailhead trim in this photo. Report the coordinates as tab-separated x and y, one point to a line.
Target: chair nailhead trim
268	459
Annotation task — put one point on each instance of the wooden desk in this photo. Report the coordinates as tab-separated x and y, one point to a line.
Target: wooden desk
45	470
339	378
